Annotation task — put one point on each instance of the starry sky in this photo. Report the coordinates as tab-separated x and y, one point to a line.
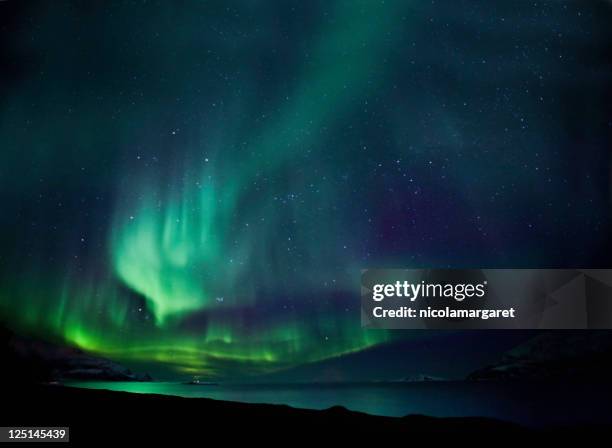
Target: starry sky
195	186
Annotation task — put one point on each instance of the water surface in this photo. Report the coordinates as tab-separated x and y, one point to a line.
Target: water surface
541	403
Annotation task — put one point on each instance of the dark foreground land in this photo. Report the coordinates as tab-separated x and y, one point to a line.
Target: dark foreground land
111	417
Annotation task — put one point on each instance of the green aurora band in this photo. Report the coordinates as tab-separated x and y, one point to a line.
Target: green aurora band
205	242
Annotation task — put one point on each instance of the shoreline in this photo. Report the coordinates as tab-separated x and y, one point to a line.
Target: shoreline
103	415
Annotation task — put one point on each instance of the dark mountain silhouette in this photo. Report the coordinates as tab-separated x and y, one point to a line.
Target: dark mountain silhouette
580	354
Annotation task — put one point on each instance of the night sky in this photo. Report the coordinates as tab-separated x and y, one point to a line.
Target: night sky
195	186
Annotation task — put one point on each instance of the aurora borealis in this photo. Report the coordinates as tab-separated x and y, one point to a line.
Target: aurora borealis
198	184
